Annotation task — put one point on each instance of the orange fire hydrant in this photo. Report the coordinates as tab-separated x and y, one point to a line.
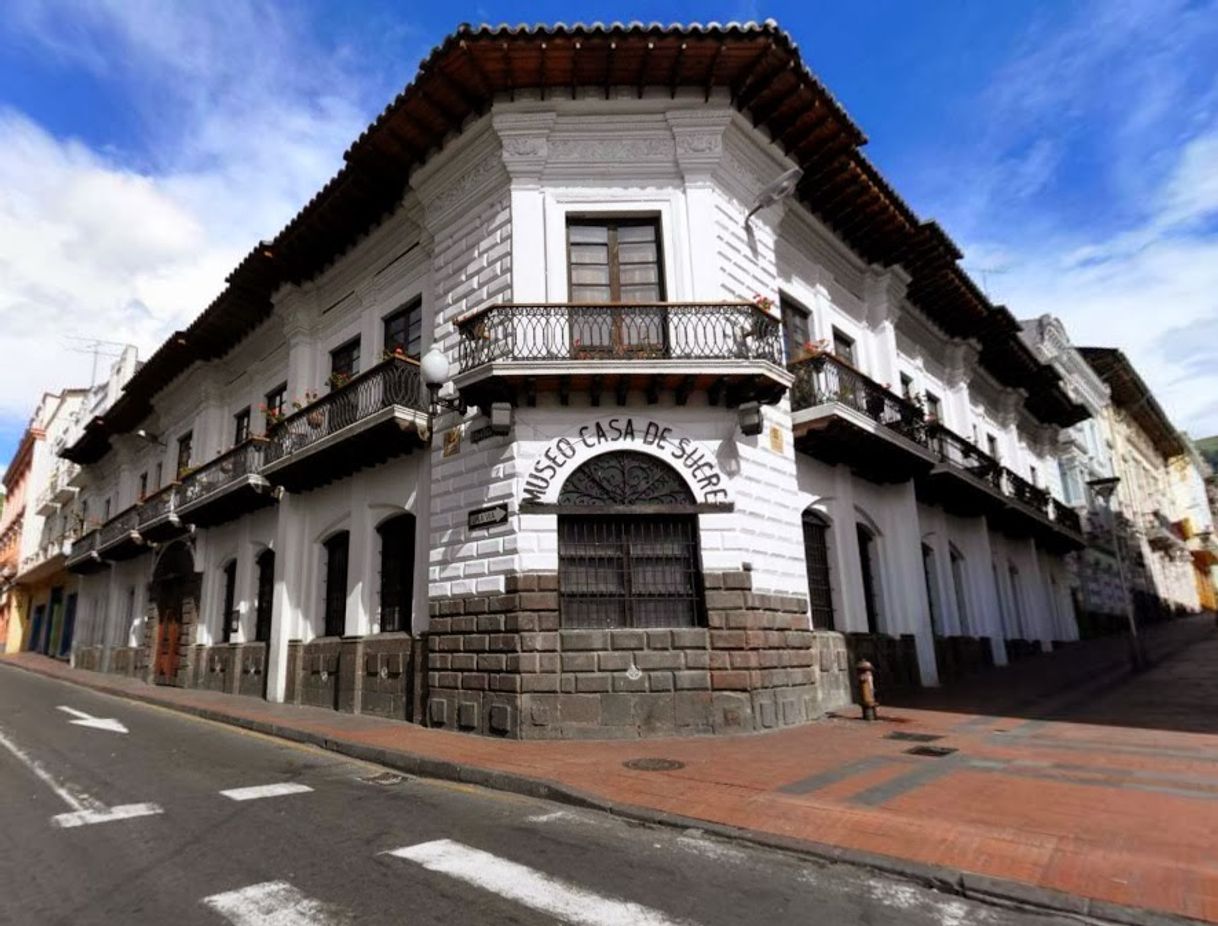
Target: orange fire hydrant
866	689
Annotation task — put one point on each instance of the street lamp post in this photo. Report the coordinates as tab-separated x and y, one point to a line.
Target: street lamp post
1105	489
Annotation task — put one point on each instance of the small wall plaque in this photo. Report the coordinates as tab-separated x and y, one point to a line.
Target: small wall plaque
776	441
452	441
484	518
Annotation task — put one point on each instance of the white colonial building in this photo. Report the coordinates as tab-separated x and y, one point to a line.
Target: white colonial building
698	446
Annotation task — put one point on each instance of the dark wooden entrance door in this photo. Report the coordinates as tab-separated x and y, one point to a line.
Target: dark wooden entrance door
168	633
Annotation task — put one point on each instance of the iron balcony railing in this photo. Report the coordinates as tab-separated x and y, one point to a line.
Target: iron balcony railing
964	454
243	460
85	545
395	381
159	504
125	522
619	331
1023	491
1066	516
825	378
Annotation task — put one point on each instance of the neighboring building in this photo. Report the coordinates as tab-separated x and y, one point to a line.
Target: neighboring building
1190	475
1084	455
1144	445
12	520
695	455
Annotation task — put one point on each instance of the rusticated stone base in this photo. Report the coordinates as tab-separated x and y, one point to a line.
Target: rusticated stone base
358	675
88	658
500	665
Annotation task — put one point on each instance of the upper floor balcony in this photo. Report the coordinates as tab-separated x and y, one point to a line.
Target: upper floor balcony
158	519
60	490
225	488
376	415
119	538
839	415
84	557
49	557
731	351
969	482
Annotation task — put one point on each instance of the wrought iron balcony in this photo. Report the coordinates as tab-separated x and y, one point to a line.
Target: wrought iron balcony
158	515
83	558
119	538
225	488
839	415
47	557
970	482
377	415
732	350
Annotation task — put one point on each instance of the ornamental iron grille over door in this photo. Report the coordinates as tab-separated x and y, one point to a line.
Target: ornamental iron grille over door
619	569
816	554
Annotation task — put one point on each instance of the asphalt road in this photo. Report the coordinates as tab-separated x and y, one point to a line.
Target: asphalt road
100	826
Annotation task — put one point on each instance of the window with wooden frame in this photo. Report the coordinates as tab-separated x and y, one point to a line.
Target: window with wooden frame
184	451
276	403
344	363
843	347
404	329
241	426
934	407
616	261
335	603
796	327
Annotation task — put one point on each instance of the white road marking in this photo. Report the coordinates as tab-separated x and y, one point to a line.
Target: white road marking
552	815
105	815
534	889
85	809
274	903
96	723
257	791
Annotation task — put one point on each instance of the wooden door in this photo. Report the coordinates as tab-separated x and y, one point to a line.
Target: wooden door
167	635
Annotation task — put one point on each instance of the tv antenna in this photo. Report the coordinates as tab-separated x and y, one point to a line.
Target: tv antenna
94	346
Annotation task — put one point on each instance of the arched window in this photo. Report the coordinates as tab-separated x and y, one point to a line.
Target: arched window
397	572
958	587
336	584
228	616
629	558
867	566
816	556
266	592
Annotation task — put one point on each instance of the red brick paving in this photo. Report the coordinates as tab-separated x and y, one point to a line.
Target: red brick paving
1122	809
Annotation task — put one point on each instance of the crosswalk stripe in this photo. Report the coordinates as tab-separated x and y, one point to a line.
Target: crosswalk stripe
257	791
104	815
274	903
527	886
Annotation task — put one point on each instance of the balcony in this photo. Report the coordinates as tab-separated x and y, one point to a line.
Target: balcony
158	519
969	482
1161	534
376	416
83	558
60	490
119	538
226	488
731	351
48	558
838	415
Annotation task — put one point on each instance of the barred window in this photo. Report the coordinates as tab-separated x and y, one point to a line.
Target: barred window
266	591
230	596
336	585
619	568
397	572
816	554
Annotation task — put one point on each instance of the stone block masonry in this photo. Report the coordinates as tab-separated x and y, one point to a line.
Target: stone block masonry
500	664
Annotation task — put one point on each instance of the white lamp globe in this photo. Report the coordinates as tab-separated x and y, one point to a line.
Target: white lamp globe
435	368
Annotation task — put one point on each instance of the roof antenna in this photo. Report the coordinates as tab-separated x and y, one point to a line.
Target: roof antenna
774	191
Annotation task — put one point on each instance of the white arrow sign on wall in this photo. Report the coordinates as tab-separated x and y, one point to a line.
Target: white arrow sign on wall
97	723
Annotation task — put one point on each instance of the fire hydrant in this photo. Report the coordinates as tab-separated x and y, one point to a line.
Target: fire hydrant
866	689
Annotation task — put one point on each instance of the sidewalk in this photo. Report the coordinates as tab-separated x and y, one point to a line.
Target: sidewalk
1094	817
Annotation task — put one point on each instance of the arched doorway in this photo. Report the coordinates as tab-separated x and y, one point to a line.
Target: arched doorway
173	581
816	557
628	553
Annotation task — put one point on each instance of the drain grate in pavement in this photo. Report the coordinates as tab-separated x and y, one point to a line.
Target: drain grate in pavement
933	752
383	778
650	764
913	737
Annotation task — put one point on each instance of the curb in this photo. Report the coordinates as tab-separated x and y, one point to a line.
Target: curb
983	888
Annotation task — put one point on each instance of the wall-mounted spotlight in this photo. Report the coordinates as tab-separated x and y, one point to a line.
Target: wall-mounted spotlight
749	414
149	438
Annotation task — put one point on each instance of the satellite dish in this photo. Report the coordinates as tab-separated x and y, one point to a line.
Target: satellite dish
775	190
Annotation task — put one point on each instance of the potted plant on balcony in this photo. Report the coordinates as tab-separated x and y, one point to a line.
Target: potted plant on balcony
338	379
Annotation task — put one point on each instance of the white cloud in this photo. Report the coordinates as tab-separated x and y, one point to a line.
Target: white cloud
243	117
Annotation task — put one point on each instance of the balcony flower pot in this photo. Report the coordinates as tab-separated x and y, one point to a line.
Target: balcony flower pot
315	419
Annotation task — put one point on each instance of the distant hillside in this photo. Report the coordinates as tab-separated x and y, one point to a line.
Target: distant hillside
1209	449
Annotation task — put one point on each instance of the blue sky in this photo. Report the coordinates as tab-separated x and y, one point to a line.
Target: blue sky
1071	149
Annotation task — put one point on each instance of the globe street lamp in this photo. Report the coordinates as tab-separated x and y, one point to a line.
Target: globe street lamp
435	368
1104	490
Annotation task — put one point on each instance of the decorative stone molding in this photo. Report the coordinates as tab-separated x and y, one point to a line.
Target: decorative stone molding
526	147
961	357
620	150
1010	401
884	294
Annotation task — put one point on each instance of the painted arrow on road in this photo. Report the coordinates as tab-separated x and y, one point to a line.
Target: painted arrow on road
96	723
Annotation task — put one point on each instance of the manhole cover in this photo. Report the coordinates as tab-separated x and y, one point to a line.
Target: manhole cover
383	778
912	737
654	765
934	752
